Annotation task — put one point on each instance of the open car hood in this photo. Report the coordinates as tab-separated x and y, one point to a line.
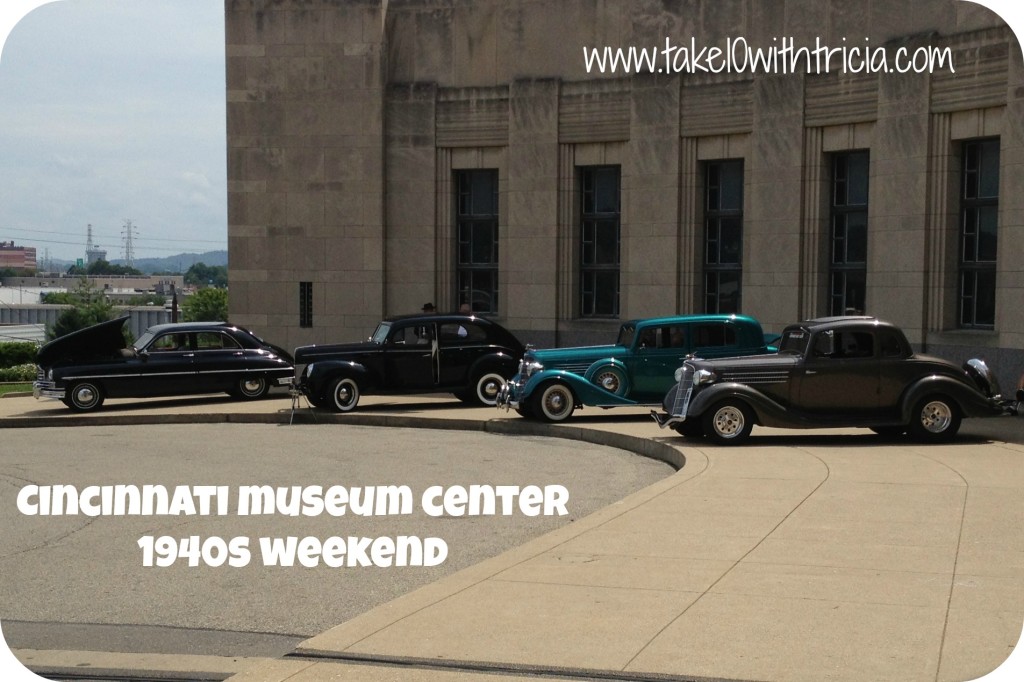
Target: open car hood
100	339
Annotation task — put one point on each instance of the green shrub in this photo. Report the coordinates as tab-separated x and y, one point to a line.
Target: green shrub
26	372
17	353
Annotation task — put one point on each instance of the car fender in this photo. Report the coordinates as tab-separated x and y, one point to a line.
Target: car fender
768	412
603	364
587	393
325	371
972	403
501	362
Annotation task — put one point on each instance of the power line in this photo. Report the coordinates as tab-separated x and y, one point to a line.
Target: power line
108	236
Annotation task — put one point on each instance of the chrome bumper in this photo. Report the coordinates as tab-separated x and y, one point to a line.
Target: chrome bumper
47	389
508	396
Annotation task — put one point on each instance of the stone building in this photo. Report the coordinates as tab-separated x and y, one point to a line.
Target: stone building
382	154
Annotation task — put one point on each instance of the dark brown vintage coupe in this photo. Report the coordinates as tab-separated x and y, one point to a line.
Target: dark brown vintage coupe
832	372
466	355
85	367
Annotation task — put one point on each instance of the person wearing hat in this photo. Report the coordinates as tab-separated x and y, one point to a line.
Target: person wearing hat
428	307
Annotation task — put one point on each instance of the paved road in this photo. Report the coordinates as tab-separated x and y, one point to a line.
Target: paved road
73	582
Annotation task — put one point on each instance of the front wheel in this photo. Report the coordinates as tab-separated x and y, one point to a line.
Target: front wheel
343	395
729	422
554	402
251	388
85	396
934	420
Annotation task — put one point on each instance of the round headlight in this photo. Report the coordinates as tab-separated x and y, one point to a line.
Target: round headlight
702	376
678	375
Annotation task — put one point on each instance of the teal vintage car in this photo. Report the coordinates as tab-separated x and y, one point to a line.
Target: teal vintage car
638	369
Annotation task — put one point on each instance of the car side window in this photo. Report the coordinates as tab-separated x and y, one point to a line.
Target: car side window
169	342
844	344
461	332
889	345
713	335
856	344
214	341
409	335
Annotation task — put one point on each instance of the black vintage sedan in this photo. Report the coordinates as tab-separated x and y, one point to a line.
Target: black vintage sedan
833	372
85	367
466	355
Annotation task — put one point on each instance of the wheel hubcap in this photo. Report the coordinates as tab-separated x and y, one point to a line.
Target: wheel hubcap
609	382
344	395
85	395
251	385
489	389
936	417
555	402
728	422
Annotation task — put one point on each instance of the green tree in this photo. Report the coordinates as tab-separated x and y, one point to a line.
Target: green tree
206	305
203	275
102	267
90	307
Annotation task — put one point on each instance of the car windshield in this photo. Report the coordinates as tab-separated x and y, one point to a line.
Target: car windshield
794	341
381	333
626	333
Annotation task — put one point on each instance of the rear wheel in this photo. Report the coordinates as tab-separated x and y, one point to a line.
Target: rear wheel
553	402
84	396
486	388
729	422
251	388
935	419
343	395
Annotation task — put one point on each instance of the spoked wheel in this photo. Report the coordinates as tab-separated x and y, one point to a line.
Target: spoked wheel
554	402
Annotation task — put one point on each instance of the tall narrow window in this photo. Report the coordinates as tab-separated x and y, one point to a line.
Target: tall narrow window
848	270
979	208
599	241
476	259
723	235
305	304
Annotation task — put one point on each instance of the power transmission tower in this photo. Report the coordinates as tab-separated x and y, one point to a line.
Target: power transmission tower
127	234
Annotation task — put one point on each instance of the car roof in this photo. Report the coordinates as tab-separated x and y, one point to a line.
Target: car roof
669	319
438	317
188	326
840	321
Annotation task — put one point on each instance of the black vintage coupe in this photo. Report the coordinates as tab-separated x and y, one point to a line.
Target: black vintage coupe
832	372
85	367
466	355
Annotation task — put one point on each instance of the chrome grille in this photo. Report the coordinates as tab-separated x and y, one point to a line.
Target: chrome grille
754	377
684	389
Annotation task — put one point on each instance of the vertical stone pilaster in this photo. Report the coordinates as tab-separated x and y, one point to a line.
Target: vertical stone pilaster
940	226
813	227
444	222
567	246
690	228
533	209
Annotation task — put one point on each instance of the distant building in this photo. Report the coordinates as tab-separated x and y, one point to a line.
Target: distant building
20	258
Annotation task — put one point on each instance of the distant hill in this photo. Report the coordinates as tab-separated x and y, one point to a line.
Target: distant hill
179	263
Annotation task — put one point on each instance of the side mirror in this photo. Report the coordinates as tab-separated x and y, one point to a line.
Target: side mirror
144	355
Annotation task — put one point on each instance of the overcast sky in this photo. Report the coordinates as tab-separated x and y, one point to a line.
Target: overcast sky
113	110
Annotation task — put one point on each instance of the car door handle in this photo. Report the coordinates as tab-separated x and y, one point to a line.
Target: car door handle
810	371
238	353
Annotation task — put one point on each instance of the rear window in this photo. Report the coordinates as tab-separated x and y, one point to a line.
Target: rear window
794	341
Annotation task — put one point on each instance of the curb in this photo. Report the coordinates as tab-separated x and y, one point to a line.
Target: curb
644	447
